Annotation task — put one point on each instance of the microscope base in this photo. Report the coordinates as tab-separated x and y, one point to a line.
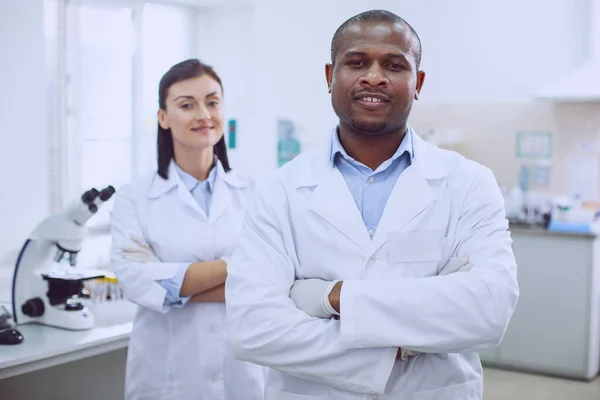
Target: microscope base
58	317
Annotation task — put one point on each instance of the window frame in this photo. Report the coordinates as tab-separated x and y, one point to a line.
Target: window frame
65	141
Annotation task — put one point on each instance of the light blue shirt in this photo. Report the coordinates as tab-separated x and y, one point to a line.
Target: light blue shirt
202	192
371	189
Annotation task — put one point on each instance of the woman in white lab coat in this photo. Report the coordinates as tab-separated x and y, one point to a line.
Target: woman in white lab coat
172	233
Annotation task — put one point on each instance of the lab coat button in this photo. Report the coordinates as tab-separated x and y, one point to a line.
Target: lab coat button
371	232
371	180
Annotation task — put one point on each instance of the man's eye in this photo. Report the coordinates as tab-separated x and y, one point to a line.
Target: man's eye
356	63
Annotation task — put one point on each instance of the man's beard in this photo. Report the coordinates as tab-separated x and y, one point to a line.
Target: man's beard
372	128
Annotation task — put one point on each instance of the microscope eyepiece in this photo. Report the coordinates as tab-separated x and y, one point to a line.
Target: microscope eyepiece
93	208
106	193
89	196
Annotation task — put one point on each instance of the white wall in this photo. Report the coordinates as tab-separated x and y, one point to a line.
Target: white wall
474	51
24	175
227	41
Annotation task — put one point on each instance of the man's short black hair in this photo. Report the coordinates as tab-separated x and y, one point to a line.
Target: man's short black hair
375	16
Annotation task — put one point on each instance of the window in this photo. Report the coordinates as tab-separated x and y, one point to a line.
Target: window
110	58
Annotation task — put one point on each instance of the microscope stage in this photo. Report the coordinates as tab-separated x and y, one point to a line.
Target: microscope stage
76	275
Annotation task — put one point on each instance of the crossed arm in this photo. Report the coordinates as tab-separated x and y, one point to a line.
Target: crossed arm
143	275
439	314
214	295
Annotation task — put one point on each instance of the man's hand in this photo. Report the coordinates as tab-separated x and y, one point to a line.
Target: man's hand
456	264
311	296
334	296
405	354
139	253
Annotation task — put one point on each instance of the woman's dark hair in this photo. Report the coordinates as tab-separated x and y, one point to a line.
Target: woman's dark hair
187	69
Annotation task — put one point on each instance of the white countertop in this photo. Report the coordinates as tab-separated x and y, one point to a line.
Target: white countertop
45	346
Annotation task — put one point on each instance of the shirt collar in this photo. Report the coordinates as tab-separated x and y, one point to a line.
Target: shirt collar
190	182
405	147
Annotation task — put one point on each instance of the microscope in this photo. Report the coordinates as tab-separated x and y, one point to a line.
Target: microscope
43	291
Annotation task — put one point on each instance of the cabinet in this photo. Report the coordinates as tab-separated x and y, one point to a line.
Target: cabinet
556	326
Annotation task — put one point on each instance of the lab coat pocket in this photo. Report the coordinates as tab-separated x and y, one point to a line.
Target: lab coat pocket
465	391
275	394
415	253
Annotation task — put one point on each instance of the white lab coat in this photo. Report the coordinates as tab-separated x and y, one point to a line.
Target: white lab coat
180	354
304	223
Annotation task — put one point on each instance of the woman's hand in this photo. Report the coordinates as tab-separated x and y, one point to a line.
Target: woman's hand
140	252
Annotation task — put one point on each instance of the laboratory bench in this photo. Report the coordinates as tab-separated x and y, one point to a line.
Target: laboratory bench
555	328
68	363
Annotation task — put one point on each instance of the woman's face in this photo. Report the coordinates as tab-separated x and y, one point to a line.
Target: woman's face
194	113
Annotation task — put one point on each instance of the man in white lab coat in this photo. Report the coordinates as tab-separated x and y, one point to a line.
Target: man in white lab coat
377	266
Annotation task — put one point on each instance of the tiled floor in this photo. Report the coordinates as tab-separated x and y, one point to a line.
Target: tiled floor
506	385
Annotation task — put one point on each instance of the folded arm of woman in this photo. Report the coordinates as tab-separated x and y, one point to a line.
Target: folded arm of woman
214	295
203	276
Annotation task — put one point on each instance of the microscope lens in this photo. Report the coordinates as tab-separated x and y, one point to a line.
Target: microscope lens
58	256
73	259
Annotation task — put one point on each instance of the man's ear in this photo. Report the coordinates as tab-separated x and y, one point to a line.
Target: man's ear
420	81
329	76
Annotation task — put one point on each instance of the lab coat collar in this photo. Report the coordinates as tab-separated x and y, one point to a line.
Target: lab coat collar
191	182
222	195
231	177
426	156
405	147
161	186
332	200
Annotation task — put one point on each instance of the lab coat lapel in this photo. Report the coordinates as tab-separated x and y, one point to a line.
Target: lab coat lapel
188	200
161	186
224	183
412	194
220	196
332	200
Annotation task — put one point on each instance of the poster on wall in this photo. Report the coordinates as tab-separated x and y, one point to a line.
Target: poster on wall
533	145
288	141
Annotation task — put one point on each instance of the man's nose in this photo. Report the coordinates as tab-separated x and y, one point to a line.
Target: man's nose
375	76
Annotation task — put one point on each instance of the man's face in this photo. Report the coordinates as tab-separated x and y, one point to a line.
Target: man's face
374	79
